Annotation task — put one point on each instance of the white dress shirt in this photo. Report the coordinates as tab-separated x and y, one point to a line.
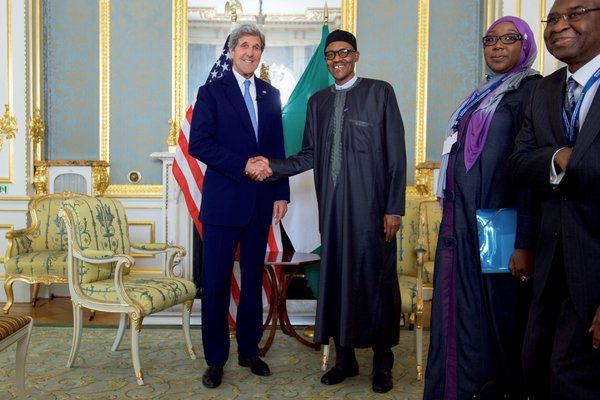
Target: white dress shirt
581	76
240	80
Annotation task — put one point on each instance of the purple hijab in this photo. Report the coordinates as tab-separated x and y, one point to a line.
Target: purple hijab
478	127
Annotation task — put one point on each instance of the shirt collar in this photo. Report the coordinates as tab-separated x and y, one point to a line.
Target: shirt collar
347	84
240	79
583	74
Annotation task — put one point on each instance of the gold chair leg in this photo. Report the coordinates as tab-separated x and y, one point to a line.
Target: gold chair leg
35	293
9	294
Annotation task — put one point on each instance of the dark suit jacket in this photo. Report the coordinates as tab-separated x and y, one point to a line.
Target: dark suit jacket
570	210
222	137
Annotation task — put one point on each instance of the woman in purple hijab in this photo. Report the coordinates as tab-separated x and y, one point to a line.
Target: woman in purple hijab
478	320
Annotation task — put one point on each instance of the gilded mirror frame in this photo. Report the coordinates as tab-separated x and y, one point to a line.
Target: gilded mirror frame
180	60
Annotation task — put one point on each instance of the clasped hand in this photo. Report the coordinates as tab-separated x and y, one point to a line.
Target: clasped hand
257	168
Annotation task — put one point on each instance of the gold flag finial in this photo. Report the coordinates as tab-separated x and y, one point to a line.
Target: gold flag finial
326	15
232	7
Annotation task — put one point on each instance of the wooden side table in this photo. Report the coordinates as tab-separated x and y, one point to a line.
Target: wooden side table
291	263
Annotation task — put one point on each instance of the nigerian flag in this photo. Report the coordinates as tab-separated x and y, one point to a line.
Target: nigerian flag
301	222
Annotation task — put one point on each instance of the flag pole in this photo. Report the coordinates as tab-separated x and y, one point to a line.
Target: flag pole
325	359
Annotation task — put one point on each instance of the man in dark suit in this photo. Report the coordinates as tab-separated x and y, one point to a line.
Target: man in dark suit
558	152
235	118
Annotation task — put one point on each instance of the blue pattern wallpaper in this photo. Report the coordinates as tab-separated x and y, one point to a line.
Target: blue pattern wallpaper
140	87
386	35
455	63
71	76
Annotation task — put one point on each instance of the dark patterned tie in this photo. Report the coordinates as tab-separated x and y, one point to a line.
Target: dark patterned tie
573	92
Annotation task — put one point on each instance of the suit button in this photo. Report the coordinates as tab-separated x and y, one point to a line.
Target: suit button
556	234
449	242
448	195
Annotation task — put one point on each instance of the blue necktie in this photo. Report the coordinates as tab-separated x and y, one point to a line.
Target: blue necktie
250	107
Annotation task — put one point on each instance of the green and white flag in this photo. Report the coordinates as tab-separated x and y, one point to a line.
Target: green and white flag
301	222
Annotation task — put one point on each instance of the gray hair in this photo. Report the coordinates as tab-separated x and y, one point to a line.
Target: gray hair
246	30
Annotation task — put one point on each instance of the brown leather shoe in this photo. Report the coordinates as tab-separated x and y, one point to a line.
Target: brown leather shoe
256	365
212	376
383	382
337	374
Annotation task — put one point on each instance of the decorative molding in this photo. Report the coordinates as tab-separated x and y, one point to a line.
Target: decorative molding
349	15
14	198
134	191
40	179
519	8
179	70
100	178
37	125
104	22
422	74
542	52
8	122
424	178
11	161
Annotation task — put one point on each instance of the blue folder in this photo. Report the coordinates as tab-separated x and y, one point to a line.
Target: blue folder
496	231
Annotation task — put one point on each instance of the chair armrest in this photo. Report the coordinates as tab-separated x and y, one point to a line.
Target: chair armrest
153	248
123	261
96	255
18	233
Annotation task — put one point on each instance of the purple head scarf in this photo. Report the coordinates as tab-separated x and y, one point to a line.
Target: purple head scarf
481	118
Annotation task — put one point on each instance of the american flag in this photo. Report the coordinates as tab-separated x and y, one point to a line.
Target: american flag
189	174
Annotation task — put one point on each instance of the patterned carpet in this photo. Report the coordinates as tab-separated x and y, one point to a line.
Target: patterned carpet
169	374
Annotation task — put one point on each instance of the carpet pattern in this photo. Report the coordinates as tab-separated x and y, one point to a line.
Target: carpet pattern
169	374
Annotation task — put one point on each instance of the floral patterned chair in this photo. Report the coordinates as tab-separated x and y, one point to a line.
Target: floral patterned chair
38	253
99	261
418	240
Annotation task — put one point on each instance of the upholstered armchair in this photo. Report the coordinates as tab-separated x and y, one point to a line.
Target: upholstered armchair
418	240
38	253
99	261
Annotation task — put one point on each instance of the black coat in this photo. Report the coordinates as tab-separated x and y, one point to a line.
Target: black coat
570	211
359	295
478	320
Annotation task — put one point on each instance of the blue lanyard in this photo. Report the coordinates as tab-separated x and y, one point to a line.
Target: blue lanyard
570	127
474	99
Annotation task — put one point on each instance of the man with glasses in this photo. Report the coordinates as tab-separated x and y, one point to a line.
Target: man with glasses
354	140
558	152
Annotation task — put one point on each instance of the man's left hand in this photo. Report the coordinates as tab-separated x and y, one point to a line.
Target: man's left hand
595	329
279	210
391	224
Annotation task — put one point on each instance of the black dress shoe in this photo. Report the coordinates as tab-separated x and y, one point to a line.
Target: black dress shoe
256	365
212	376
383	382
337	374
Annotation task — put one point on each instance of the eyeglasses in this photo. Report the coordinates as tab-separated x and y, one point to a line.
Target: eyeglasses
509	38
343	53
571	16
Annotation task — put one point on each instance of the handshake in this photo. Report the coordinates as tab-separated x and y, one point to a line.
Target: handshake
257	168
